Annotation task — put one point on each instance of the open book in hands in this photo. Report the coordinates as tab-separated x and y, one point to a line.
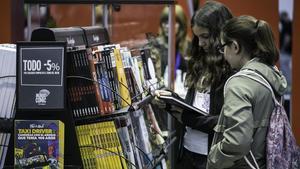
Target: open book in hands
175	101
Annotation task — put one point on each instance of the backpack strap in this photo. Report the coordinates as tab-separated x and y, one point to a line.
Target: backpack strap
261	80
249	163
264	82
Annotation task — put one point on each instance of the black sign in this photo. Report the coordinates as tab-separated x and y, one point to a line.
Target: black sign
40	75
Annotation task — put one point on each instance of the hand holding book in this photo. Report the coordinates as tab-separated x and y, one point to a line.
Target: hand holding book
162	104
158	102
176	103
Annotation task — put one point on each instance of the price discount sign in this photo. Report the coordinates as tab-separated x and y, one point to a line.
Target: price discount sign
41	66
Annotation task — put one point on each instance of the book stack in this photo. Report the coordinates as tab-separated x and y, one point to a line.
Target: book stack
127	139
143	144
7	95
132	80
123	86
83	92
100	146
102	79
96	36
85	98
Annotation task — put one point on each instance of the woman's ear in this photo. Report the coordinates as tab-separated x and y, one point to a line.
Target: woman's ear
236	46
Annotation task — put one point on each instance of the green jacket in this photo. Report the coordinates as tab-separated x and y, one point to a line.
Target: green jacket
243	122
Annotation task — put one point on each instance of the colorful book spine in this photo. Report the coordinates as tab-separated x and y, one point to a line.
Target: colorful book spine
142	137
123	87
100	146
104	86
101	106
122	124
106	55
145	54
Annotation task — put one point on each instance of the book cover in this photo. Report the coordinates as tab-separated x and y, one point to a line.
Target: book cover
39	144
180	103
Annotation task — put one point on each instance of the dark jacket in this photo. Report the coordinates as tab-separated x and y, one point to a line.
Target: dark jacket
204	123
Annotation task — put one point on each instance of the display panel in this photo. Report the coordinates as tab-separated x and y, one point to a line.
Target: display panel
40	75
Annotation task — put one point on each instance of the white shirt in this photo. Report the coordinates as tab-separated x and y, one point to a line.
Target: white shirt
195	140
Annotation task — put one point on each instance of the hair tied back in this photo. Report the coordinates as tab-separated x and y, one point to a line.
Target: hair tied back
257	23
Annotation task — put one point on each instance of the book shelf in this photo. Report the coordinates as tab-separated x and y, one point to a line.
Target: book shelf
7	96
74	160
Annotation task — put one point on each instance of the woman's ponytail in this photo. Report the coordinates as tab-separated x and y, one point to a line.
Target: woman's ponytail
255	36
266	47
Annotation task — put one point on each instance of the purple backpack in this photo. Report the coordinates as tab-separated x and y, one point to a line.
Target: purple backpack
282	150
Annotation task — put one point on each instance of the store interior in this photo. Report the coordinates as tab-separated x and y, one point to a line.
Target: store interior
131	24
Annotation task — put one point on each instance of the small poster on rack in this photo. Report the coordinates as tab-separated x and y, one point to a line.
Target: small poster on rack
39	143
40	75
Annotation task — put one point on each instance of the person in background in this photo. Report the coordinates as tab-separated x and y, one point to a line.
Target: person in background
248	45
206	75
285	33
159	44
159	53
285	46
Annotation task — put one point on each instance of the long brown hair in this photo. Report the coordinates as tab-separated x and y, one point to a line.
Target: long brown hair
208	68
255	36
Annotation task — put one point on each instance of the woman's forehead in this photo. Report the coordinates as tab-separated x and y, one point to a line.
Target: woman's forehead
199	30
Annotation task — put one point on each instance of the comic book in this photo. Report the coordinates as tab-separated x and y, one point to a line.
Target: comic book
39	144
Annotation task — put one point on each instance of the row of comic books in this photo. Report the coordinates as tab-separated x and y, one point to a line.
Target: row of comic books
123	78
100	146
7	95
103	78
120	77
120	143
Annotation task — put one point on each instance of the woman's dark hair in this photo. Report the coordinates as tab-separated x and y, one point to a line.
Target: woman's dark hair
255	36
208	68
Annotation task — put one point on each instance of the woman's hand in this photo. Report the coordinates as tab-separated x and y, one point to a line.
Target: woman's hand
162	93
160	103
176	111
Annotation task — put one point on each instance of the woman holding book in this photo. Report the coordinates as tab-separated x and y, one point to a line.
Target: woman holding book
206	75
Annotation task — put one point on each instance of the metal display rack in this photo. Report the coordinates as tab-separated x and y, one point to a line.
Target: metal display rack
171	40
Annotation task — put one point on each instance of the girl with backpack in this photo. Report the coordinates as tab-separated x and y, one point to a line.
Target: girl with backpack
248	45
